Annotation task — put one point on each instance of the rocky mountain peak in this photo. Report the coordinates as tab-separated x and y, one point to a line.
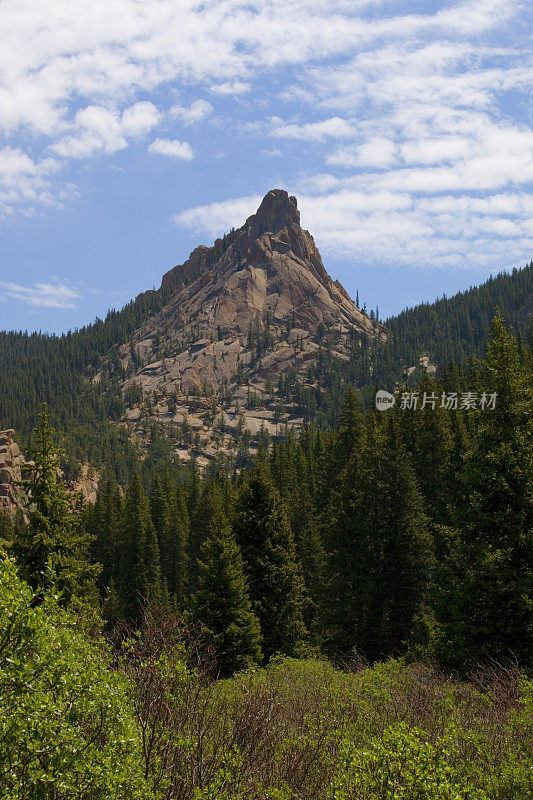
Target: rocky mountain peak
256	304
278	210
275	225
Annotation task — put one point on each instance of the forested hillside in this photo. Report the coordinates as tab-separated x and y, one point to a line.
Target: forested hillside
453	329
238	638
37	368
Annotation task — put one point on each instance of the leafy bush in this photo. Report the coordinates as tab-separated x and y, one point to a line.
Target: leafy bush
158	727
401	765
66	727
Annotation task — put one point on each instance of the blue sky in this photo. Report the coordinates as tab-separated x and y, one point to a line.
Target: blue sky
132	131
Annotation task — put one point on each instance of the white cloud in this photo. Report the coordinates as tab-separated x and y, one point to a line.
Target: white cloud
103	52
395	227
333	128
231	88
377	152
139	119
42	295
172	148
318	183
101	131
435	151
217	218
414	107
15	162
196	112
25	183
272	152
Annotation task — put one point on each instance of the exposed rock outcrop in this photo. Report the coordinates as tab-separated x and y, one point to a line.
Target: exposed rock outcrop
255	306
264	279
271	268
11	461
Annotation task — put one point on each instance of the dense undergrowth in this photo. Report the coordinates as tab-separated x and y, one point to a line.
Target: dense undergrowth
146	718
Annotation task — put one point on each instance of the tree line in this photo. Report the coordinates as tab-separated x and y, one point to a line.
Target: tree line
37	367
404	532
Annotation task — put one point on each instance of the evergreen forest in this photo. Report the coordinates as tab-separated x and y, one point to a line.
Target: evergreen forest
58	370
349	615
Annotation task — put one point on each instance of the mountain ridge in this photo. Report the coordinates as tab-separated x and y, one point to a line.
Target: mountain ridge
263	280
90	377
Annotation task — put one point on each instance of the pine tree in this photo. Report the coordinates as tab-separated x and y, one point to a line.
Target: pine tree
140	576
309	550
276	588
7	529
54	534
486	603
347	434
379	553
173	540
222	603
104	523
159	501
290	470
210	502
426	432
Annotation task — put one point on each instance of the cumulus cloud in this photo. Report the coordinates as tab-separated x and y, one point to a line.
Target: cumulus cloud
41	295
425	113
99	130
172	148
196	112
217	218
25	182
333	128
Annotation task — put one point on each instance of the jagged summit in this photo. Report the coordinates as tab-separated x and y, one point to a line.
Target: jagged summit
277	214
277	210
253	306
268	267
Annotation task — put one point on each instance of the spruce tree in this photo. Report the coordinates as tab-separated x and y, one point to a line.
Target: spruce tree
379	554
159	501
348	431
486	603
209	503
276	588
104	523
7	529
222	603
172	527
426	433
140	576
290	470
54	534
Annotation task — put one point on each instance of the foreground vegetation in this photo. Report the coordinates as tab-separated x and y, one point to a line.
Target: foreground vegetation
175	644
80	721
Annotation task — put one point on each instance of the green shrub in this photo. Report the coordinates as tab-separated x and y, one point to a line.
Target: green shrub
67	731
400	765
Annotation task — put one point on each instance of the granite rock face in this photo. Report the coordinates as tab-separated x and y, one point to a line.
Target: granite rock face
11	462
265	279
11	466
255	307
271	268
